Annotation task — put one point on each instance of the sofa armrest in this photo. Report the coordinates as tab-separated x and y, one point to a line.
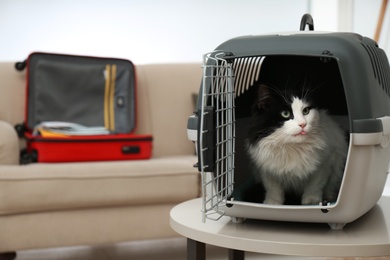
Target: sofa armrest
9	144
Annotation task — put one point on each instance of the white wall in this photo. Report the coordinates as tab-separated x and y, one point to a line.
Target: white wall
165	30
143	31
366	14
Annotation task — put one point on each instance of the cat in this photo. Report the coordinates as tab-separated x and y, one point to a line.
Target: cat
295	146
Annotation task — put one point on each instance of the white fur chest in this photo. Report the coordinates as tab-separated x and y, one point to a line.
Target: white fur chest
291	159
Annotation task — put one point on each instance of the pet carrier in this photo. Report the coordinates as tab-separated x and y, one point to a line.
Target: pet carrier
350	77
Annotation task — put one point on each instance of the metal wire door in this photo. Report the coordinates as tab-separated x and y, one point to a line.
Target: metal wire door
225	78
217	133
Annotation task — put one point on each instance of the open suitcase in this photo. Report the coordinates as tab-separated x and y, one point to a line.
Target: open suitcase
90	91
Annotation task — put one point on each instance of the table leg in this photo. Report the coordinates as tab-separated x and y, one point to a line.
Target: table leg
195	250
8	256
236	254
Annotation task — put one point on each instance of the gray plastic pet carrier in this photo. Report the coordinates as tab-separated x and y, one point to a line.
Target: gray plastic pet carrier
352	75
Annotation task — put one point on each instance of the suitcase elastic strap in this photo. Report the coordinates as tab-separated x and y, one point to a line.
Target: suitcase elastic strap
109	95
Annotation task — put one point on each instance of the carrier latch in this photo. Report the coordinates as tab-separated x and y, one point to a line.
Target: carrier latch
386	131
372	131
192	133
192	128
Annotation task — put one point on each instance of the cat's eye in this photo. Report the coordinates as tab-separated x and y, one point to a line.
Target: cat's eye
306	111
286	114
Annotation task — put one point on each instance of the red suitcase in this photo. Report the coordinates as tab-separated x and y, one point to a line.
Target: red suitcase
90	91
88	148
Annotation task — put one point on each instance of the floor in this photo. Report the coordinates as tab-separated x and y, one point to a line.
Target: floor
170	249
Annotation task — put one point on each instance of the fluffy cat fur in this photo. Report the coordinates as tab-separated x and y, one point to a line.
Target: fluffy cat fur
295	147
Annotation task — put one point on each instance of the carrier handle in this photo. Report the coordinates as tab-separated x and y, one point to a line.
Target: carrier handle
307	19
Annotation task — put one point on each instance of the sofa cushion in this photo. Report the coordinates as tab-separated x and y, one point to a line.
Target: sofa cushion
13	93
169	89
9	144
63	186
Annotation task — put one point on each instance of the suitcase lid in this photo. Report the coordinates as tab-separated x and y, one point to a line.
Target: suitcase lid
91	91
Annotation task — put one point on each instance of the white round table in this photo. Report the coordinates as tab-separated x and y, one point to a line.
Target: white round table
367	236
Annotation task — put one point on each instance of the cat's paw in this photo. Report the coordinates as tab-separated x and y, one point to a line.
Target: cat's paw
311	200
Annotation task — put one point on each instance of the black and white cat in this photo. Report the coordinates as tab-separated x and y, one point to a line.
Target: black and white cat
295	146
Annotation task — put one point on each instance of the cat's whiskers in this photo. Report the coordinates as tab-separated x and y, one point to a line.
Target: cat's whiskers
310	90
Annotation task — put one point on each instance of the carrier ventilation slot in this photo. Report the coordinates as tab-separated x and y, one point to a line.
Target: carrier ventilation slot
380	66
246	71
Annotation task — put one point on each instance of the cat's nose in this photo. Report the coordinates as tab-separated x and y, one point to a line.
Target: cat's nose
302	125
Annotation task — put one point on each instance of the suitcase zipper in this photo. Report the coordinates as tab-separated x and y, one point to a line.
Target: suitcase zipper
109	95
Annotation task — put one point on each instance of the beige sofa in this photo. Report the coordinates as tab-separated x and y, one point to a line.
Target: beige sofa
46	205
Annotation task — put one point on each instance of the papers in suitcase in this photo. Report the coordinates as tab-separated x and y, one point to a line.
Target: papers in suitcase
81	108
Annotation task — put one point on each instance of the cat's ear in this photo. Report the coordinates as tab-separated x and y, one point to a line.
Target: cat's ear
264	96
